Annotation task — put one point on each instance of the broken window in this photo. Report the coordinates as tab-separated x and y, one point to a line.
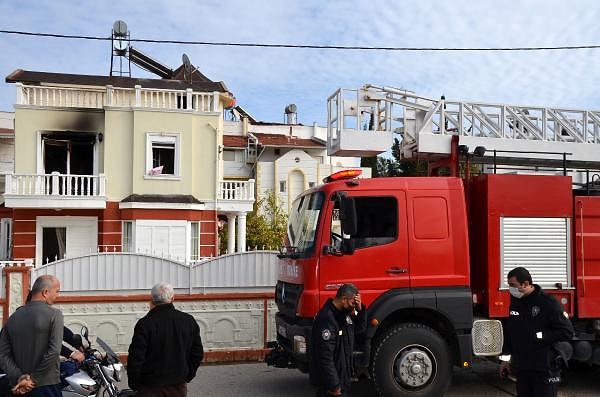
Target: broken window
69	152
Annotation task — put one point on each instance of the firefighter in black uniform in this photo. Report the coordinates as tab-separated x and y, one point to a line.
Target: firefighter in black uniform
333	341
535	326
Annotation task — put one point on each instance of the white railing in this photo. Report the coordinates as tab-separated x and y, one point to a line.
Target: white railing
56	184
60	97
137	97
236	190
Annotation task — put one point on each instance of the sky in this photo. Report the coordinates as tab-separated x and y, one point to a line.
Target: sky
265	80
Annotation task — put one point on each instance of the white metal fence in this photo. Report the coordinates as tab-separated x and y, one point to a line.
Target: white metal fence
121	273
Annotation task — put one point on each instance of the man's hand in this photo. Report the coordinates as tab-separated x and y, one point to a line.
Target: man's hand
24	385
357	302
335	392
504	369
77	356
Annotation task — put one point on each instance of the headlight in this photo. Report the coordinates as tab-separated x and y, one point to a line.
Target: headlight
91	388
299	344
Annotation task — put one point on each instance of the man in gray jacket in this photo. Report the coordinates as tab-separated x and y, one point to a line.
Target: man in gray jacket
31	340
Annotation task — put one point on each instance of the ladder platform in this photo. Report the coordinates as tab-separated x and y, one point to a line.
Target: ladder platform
359	143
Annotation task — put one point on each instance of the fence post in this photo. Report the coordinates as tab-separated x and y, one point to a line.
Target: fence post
17	287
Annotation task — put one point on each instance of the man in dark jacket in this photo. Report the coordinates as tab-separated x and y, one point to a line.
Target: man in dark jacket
166	348
536	323
332	341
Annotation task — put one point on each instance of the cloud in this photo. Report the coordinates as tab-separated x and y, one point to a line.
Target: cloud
265	80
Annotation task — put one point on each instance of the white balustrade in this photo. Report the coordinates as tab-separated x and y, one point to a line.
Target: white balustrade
138	97
55	184
237	190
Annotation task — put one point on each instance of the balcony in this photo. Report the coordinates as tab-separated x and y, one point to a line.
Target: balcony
236	196
116	97
55	191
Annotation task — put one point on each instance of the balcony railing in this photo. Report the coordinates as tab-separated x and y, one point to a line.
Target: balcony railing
138	97
236	190
56	184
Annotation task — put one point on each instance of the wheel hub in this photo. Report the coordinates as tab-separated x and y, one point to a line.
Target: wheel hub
413	368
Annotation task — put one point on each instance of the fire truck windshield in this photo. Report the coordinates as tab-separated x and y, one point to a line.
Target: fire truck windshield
302	224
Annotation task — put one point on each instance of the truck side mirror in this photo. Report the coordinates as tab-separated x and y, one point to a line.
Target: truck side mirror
348	215
348	246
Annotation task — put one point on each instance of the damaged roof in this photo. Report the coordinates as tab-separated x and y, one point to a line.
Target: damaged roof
275	140
202	84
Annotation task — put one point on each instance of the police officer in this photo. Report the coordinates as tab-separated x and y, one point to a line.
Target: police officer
333	341
535	325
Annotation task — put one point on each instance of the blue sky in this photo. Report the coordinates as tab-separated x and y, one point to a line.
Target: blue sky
266	80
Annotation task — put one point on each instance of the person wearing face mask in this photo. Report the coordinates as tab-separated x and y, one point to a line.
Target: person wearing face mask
536	324
332	341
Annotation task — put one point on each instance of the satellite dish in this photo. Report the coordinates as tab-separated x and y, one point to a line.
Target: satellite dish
187	66
120	28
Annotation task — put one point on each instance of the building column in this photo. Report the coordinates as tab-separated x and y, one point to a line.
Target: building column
230	233
241	237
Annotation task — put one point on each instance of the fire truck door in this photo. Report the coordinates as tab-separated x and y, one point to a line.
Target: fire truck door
380	258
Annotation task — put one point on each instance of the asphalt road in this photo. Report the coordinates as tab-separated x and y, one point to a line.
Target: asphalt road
259	380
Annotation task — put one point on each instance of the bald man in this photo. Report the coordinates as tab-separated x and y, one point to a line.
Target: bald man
31	340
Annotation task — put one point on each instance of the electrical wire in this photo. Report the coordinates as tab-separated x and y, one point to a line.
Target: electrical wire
307	46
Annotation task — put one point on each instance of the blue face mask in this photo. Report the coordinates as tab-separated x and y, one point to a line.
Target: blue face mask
514	291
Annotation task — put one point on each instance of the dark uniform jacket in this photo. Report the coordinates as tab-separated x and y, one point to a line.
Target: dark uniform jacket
332	346
537	312
166	349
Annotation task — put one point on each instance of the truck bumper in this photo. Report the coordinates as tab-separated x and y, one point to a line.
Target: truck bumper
293	338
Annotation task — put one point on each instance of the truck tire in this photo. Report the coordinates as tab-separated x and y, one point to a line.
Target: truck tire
411	360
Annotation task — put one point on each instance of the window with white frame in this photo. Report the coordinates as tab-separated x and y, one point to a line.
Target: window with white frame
162	155
282	186
127	237
194	241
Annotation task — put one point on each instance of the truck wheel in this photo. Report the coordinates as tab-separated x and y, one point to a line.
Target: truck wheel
411	360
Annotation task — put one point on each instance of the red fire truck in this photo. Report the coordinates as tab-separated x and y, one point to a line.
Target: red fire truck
430	255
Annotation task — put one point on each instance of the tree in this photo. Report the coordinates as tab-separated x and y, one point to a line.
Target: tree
266	225
396	166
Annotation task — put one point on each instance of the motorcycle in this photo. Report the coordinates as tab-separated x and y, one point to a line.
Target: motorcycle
99	371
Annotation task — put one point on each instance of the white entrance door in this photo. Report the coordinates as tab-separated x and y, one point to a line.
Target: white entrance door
296	179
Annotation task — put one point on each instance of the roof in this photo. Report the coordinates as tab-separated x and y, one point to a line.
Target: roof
33	77
275	140
7	131
161	198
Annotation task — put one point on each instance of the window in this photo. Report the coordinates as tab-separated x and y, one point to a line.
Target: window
377	222
194	241
162	157
54	243
127	237
228	155
282	186
312	184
